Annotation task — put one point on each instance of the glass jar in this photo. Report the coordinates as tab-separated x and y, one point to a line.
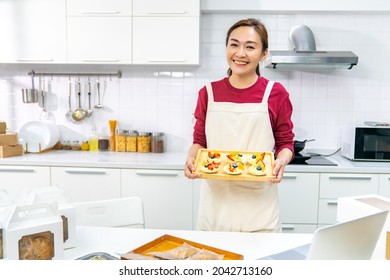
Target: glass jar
157	145
103	143
131	141
143	142
93	141
120	140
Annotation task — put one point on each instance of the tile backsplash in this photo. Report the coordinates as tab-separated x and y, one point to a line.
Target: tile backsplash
163	98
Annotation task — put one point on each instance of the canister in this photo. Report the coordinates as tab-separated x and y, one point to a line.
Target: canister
131	141
120	140
157	145
144	142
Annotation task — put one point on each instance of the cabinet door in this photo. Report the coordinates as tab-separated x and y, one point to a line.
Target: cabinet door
166	40
99	7
99	40
17	180
384	185
166	194
166	7
298	194
32	31
87	184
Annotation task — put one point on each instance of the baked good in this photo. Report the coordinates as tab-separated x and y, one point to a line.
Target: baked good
258	169
234	168
232	157
256	157
214	156
36	248
209	167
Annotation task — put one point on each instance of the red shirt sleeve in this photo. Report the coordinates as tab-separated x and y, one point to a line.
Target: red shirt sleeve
199	136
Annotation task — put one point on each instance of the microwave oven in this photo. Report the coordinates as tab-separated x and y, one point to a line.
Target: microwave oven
366	143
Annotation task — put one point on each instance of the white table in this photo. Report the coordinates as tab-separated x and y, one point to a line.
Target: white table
122	240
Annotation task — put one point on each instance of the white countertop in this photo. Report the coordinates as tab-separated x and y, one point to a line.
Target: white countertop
169	161
122	240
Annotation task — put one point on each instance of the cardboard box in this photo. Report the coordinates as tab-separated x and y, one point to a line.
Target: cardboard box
9	139
354	207
3	127
56	197
11	151
33	232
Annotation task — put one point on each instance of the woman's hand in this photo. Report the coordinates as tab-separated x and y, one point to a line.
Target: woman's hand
283	158
189	166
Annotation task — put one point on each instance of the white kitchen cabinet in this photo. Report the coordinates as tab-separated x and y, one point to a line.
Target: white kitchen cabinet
99	7
166	32
298	198
87	184
32	31
99	39
384	185
18	180
335	185
166	194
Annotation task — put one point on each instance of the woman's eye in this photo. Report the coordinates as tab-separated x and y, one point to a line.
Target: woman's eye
250	47
233	45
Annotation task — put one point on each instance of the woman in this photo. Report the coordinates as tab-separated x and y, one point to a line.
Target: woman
243	111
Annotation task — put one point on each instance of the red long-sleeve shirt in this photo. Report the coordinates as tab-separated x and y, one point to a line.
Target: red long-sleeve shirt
279	107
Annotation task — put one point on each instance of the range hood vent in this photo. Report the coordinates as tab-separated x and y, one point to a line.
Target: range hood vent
305	54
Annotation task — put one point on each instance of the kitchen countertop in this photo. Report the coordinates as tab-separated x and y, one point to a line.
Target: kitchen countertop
169	161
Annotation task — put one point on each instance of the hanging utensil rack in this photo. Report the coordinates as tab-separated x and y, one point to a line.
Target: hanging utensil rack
118	74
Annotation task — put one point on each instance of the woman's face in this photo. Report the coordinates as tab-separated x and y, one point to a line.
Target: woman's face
244	51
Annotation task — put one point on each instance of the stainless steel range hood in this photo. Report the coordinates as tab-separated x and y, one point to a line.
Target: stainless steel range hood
305	54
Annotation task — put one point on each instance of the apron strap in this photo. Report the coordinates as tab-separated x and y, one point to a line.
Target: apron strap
210	94
267	91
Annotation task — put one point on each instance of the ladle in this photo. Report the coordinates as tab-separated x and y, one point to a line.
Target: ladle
89	111
68	114
99	105
79	114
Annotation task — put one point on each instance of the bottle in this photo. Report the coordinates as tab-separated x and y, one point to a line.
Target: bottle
93	141
157	145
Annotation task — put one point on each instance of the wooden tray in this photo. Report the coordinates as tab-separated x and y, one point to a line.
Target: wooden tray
168	242
244	176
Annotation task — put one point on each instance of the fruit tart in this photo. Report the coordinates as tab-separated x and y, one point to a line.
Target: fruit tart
254	158
236	157
214	156
209	166
234	168
258	169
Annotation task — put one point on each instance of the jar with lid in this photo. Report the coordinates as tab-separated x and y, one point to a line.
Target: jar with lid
143	142
157	145
131	141
103	142
120	140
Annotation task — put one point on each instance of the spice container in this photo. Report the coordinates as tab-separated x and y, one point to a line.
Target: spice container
131	141
103	142
143	142
120	140
157	145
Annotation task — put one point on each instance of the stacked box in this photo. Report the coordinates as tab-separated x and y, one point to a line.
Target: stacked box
3	127
9	146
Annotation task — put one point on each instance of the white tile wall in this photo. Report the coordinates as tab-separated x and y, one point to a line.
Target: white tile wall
162	98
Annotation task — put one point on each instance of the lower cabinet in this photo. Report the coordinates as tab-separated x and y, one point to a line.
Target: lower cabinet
167	196
87	184
16	180
384	185
298	200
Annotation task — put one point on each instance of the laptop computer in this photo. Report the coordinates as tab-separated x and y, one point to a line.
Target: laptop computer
350	240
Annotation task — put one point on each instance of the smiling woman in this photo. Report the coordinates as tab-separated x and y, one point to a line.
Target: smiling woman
243	111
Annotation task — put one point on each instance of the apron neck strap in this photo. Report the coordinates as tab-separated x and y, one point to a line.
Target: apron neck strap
267	91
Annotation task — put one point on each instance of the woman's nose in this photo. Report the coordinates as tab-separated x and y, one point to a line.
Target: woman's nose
241	51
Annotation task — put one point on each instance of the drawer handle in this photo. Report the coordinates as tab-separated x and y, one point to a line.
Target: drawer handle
87	172
153	173
101	13
100	60
167	13
25	170
35	60
289	176
167	60
341	177
332	202
288	227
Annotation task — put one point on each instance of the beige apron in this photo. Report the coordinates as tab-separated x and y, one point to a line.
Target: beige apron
238	205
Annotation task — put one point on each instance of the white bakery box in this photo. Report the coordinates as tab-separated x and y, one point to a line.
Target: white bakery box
32	232
353	207
58	198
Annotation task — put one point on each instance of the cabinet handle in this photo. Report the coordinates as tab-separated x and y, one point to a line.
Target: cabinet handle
36	60
100	60
332	202
288	227
24	170
289	176
87	172
167	60
101	13
167	13
156	173
343	177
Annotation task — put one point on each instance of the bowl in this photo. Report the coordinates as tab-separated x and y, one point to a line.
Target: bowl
38	135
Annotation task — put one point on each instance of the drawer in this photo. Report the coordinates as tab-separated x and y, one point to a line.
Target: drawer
384	185
327	211
334	185
298	228
99	8
166	8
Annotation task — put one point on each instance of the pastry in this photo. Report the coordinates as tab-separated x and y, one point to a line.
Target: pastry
254	158
36	248
209	167
258	169
234	168
236	157
214	156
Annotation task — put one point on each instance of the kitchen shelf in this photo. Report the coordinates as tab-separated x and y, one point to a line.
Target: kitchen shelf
117	74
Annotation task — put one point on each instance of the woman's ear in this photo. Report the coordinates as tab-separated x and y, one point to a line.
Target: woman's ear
264	55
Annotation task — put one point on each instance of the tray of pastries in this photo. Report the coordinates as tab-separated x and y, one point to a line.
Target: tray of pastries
235	165
168	247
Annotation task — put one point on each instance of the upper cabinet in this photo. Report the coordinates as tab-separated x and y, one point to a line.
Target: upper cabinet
166	32
33	31
99	8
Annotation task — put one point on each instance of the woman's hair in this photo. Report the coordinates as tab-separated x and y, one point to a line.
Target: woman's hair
258	27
